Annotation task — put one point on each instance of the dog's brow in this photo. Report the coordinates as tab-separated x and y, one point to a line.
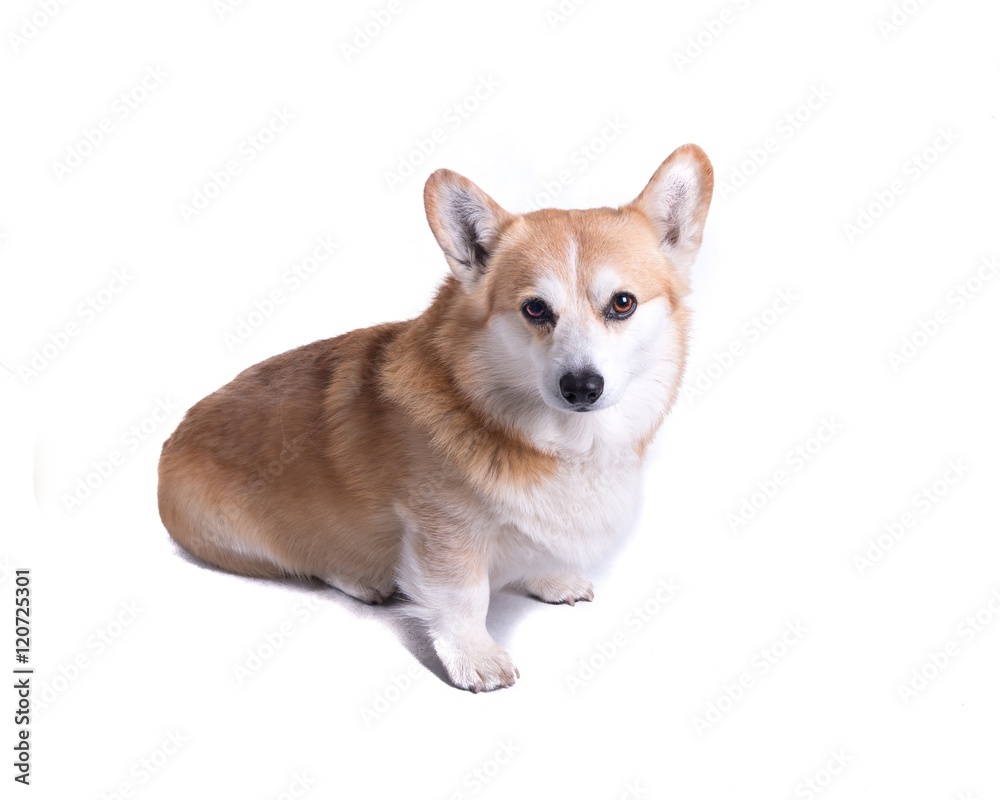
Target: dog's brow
550	289
605	282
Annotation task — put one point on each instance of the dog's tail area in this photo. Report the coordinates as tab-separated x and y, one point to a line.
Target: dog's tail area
204	517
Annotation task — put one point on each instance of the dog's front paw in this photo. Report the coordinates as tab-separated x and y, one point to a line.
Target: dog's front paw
561	589
479	668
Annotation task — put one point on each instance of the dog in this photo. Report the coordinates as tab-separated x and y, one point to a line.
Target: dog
495	440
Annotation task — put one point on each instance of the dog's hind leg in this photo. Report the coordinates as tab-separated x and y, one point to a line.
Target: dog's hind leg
373	595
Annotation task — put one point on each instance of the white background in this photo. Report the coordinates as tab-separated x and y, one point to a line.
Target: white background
599	94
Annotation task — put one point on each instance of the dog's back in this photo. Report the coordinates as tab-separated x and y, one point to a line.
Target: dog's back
273	474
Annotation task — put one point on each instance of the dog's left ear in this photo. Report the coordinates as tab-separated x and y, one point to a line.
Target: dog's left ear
676	201
466	222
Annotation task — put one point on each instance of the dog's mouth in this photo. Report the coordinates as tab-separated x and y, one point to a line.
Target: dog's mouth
559	402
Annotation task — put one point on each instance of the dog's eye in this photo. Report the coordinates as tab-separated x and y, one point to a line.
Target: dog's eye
536	311
622	305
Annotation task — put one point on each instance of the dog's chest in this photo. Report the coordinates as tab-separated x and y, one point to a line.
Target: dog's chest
579	513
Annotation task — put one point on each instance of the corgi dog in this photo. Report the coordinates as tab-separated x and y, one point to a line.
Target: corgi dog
495	440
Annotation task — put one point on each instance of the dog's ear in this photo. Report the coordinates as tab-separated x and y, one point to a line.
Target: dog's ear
676	201
466	222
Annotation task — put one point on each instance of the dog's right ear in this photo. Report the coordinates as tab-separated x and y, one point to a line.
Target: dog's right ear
466	222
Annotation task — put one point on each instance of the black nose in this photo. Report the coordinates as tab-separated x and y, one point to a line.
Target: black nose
581	388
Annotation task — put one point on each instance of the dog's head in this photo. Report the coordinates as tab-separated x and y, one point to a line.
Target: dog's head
581	310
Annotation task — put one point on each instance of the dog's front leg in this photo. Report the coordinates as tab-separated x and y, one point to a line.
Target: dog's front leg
452	595
457	625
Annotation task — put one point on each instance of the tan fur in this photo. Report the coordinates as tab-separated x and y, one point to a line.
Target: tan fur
300	444
315	462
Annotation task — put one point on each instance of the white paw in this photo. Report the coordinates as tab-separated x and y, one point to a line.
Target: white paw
561	589
481	668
